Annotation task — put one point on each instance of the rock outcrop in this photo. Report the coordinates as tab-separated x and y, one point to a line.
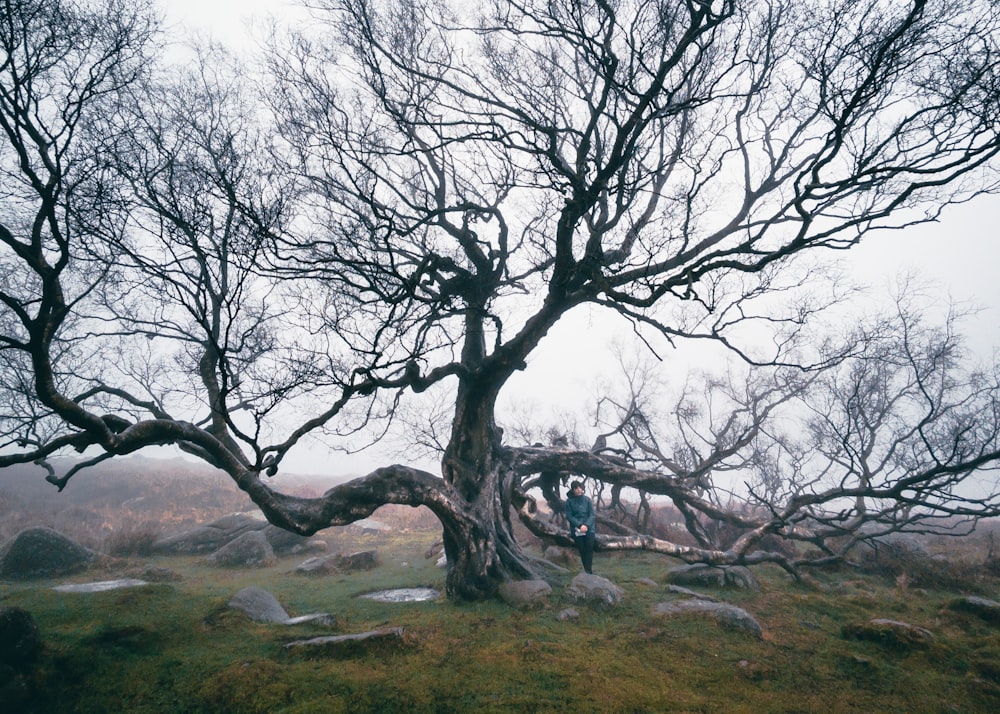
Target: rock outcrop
716	576
42	553
981	607
726	615
900	636
338	563
250	550
212	536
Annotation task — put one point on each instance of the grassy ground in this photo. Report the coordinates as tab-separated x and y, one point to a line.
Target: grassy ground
177	648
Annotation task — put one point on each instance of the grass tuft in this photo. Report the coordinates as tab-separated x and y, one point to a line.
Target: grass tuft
177	647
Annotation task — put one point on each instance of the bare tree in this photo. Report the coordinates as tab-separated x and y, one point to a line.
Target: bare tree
452	183
897	436
58	62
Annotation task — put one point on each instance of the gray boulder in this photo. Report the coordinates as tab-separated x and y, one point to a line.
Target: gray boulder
259	605
570	614
250	550
728	616
287	543
895	635
981	607
371	526
525	593
716	576
319	565
209	538
594	589
362	560
42	553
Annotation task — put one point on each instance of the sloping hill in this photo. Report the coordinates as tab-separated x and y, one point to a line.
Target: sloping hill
128	492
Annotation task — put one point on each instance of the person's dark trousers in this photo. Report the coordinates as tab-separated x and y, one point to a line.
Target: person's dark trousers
585	544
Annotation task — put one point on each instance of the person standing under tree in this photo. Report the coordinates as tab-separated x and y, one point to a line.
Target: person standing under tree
582	522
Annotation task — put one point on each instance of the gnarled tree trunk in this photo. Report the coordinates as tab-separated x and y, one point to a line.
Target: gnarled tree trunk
479	540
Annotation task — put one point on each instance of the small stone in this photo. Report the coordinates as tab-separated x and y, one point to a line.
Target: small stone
678	590
321	619
525	593
595	589
334	643
259	605
319	566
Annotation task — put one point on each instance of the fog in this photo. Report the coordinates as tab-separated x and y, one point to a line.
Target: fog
955	259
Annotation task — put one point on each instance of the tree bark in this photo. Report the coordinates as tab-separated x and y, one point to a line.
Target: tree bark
479	539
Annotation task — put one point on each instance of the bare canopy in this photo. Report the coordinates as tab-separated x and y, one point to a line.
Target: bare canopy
408	197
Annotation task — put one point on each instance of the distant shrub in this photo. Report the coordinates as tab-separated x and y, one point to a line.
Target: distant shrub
132	540
992	566
991	561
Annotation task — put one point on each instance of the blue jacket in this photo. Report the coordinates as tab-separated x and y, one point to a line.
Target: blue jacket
580	511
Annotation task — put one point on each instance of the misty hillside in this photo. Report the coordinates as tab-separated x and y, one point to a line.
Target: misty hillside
129	492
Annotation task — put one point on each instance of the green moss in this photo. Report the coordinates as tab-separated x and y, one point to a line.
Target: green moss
178	648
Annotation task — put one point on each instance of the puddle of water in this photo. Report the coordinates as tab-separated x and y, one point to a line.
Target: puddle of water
99	587
403	595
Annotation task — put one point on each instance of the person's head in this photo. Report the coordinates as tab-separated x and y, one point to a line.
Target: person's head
576	488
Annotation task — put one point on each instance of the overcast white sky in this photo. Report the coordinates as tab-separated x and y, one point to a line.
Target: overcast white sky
961	254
